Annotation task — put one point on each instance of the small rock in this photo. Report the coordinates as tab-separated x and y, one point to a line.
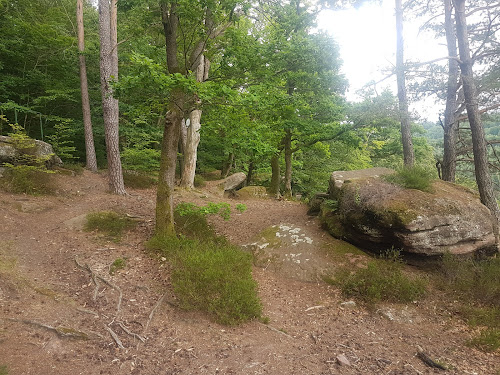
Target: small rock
342	360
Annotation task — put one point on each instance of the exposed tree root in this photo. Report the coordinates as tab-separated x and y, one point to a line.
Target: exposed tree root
115	337
63	332
128	332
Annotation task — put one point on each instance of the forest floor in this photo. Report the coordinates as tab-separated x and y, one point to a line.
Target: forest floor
54	321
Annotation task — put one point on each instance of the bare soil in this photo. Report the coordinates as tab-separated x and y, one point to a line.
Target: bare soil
54	320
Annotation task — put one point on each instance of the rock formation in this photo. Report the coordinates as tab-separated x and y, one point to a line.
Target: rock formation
374	214
10	153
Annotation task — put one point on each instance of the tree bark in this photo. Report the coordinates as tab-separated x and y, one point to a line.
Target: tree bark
406	138
288	163
251	168
228	165
91	160
450	125
276	176
166	178
109	104
479	145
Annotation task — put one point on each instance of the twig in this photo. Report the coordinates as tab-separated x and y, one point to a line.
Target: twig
276	330
115	337
427	360
314	308
96	277
151	314
128	332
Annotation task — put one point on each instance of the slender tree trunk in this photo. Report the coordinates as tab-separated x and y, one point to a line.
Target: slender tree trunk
193	131
91	159
251	168
288	163
276	176
109	104
450	125
182	145
228	165
408	153
479	145
166	178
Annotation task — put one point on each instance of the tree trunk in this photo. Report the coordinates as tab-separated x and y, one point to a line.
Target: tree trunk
450	125
109	104
228	164
166	178
193	131
276	176
91	161
288	163
182	145
408	153
479	145
251	168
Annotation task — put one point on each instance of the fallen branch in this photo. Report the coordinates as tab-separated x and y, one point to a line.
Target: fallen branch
128	332
151	314
96	277
427	360
276	330
115	337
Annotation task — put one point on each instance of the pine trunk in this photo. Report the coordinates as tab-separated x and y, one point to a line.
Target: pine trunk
91	160
479	145
288	163
450	125
408	153
109	104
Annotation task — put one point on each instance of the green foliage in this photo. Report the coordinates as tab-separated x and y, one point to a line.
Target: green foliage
138	180
199	181
27	179
109	223
477	284
488	340
118	264
145	160
381	280
416	177
222	209
62	140
208	273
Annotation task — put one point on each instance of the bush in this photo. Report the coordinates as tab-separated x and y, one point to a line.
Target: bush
382	280
110	223
199	181
27	179
138	180
416	177
209	274
137	159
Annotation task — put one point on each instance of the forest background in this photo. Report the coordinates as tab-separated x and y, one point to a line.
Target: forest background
269	94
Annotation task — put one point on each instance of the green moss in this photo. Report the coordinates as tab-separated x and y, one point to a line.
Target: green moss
268	235
118	264
109	223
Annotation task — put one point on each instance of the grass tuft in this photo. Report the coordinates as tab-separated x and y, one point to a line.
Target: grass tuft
27	179
416	177
381	280
109	223
118	264
208	273
138	180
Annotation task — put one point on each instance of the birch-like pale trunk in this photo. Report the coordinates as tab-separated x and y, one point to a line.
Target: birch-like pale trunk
190	154
91	160
109	104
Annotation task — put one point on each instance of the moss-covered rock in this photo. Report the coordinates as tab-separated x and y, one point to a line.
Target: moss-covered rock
375	214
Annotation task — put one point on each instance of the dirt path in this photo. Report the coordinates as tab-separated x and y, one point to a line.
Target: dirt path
48	304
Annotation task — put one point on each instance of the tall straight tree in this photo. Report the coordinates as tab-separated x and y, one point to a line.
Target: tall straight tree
408	153
91	163
450	125
109	104
479	145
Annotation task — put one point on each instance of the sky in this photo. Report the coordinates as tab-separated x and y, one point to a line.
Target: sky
367	41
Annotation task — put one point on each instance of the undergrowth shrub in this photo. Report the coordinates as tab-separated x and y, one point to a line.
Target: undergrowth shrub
141	159
208	273
416	177
138	180
381	280
477	284
109	223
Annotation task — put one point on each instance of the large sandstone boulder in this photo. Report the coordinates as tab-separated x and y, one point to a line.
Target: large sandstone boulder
9	153
232	182
376	215
249	192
